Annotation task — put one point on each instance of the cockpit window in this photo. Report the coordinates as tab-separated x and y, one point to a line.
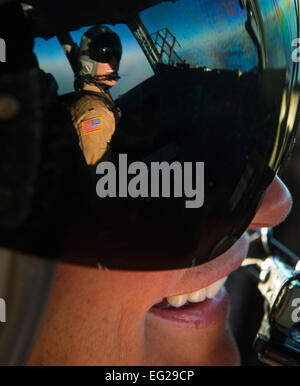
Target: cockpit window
208	34
134	67
218	34
52	59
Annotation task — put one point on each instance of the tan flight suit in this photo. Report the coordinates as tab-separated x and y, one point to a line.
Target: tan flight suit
95	124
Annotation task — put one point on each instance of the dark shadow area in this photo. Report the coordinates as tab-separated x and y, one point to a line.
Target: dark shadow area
246	312
246	301
288	232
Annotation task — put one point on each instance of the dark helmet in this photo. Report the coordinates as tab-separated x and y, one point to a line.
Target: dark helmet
98	44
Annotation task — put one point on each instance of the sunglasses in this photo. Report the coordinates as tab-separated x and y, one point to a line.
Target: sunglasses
206	124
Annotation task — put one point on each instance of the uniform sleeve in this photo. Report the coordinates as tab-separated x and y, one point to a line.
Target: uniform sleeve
95	125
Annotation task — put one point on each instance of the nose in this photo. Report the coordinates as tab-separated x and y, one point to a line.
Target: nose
274	207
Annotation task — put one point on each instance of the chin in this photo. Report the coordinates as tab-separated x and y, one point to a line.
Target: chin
226	353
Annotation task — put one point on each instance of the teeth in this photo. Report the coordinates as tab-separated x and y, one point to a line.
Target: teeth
197	296
214	288
177	301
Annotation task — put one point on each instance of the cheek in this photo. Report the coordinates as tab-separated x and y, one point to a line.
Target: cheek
141	290
98	317
100	69
85	324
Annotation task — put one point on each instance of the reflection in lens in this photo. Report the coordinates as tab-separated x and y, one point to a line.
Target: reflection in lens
211	96
208	82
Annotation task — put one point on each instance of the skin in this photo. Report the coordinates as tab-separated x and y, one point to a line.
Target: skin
107	68
101	317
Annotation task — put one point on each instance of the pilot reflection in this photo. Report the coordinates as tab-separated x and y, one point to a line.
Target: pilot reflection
94	113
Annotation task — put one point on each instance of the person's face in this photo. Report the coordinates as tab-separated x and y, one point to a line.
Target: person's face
107	317
107	69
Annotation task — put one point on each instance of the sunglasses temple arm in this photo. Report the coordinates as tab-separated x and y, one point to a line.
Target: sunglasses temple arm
276	271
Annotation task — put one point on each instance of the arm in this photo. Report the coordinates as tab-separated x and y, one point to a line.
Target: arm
95	125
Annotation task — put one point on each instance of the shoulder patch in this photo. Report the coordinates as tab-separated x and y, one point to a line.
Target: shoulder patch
91	125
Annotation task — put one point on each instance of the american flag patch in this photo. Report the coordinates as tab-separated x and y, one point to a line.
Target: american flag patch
91	125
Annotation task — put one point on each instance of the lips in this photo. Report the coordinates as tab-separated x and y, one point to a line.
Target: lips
204	314
209	311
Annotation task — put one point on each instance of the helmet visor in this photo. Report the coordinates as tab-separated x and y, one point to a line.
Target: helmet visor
212	125
209	101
